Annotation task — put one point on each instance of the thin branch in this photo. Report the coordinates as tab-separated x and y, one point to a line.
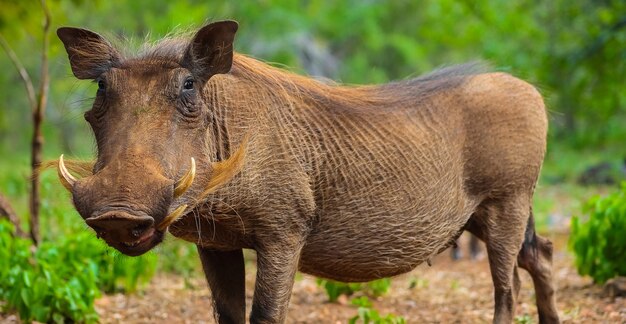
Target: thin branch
30	90
6	211
44	82
38	116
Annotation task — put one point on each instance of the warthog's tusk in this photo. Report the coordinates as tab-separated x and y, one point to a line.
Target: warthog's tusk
185	182
171	218
67	179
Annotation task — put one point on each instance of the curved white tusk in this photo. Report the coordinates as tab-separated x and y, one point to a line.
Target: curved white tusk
185	182
67	179
171	218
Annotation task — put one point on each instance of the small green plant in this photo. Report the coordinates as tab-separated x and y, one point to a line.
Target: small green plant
379	287
598	239
524	319
59	281
367	314
334	289
455	284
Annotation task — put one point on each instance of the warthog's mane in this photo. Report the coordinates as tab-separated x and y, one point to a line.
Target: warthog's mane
286	84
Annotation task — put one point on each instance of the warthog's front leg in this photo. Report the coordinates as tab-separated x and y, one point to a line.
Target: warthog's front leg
224	271
277	265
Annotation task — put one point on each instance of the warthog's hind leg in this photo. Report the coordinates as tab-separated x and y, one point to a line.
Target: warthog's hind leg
500	223
536	258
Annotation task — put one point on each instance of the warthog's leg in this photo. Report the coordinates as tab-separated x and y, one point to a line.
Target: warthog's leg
536	257
224	271
500	223
474	228
276	268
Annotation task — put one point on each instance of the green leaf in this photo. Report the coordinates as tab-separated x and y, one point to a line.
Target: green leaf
25	294
26	277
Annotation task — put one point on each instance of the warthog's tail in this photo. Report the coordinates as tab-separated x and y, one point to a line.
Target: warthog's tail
535	257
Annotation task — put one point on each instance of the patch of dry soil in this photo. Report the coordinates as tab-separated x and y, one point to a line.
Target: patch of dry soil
447	292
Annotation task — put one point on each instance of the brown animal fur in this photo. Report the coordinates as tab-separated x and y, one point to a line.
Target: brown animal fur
348	183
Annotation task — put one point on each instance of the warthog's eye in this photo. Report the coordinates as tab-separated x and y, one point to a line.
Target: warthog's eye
188	85
101	86
187	99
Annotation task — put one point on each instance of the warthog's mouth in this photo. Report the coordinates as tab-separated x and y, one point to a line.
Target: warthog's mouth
151	238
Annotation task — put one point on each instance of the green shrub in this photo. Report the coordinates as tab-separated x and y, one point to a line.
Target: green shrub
599	242
366	314
334	289
60	280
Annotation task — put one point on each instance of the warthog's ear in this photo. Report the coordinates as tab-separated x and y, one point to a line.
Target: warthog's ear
211	49
89	53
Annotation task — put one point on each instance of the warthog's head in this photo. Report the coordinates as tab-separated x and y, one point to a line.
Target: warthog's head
150	118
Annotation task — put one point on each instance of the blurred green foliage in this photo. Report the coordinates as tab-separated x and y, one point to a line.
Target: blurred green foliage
598	239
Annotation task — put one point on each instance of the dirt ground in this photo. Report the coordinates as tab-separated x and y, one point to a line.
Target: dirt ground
447	292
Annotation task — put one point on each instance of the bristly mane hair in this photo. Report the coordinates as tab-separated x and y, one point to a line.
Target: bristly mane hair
346	97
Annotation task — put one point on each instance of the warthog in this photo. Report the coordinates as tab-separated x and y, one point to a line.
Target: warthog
351	183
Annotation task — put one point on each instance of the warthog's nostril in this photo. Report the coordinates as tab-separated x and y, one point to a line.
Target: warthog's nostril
138	230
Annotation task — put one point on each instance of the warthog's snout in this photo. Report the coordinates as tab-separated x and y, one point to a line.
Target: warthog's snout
134	234
129	205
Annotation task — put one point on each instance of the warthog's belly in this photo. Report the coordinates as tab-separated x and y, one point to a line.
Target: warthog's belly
378	246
